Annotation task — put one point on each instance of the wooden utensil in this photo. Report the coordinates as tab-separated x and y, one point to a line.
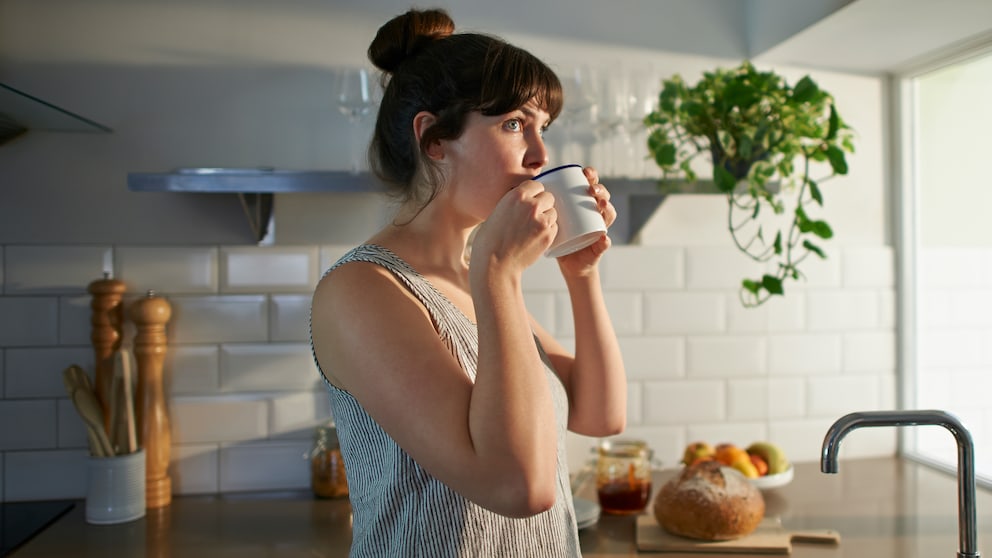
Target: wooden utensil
91	413
70	379
769	538
123	435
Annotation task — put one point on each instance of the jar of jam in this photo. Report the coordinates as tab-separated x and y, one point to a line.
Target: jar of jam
327	477
623	476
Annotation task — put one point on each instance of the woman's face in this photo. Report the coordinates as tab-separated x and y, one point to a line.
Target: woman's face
493	155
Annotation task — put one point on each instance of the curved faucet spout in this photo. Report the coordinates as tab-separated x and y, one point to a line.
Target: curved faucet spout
967	525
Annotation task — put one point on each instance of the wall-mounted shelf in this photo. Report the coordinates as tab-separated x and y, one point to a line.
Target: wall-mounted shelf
20	112
635	199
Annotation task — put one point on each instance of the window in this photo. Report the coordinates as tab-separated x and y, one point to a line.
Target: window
946	253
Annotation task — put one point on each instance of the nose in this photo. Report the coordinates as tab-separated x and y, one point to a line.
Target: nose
536	156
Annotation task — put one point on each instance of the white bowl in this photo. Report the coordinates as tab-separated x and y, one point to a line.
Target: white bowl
774	481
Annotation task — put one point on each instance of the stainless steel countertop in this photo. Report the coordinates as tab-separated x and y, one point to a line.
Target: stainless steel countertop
883	507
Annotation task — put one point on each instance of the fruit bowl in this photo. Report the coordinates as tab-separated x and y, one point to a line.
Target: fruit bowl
773	481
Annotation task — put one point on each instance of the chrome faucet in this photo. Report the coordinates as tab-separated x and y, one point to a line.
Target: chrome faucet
967	525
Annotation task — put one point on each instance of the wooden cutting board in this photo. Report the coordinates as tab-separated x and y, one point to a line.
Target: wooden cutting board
769	538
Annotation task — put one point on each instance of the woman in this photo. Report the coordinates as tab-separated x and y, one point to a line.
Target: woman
451	401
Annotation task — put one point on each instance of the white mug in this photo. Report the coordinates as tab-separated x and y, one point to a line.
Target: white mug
579	221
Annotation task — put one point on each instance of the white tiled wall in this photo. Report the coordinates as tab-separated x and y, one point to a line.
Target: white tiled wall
245	396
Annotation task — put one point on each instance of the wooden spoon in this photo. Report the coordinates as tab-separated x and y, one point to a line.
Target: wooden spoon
89	409
71	380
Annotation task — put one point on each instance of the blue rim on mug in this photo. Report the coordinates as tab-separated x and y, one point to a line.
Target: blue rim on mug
558	168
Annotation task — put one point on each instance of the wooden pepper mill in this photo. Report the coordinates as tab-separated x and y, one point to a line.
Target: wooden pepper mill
150	314
107	320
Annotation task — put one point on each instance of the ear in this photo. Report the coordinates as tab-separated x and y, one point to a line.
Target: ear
421	122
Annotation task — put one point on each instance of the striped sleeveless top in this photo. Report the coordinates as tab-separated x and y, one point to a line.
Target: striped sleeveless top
400	510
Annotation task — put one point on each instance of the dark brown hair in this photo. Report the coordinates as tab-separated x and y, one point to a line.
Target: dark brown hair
428	67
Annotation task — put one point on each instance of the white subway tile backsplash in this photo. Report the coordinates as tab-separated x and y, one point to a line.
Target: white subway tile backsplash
869	266
195	468
544	275
626	310
681	313
887	309
818	273
684	402
747	400
719	267
635	403
218	419
804	354
53	269
728	356
952	348
268	269
786	398
781	313
168	269
837	396
289	318
264	465
666	441
542	305
934	309
330	254
643	268
653	358
294	415
801	440
192	369
70	426
219	319
28	424
75	315
873	351
842	310
267	367
28	321
37	372
45	475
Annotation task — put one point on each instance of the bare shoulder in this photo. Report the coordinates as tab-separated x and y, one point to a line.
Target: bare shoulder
354	308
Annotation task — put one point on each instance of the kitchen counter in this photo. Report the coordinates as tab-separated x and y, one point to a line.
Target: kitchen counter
883	507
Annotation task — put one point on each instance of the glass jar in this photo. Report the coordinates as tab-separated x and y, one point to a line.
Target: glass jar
327	476
623	476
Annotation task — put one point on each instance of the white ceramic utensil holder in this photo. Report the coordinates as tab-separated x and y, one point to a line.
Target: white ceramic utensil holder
115	491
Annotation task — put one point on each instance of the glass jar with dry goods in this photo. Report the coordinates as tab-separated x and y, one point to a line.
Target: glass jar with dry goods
327	476
623	476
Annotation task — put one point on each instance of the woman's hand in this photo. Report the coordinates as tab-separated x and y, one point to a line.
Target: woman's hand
583	261
521	227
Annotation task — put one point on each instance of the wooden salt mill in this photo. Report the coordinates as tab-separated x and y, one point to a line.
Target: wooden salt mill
107	320
150	314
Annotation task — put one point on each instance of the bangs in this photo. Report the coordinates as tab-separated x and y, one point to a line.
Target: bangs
512	77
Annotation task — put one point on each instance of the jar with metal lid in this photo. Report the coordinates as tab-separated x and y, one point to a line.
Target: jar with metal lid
623	476
327	476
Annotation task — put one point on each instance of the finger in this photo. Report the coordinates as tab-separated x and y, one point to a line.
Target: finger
591	174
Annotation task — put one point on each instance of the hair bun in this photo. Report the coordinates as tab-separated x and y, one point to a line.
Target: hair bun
405	35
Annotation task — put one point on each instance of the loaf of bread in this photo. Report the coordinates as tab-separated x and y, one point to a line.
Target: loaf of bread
710	502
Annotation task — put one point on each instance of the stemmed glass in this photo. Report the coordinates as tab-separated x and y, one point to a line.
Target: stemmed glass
357	95
578	113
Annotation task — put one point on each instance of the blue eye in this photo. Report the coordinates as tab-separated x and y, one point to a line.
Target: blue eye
514	124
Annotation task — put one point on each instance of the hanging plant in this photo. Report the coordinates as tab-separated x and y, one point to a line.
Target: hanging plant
761	136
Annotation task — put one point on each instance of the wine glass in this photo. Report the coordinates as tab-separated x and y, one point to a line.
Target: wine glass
357	95
578	114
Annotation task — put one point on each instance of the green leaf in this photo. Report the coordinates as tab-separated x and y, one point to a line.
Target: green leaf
772	284
814	191
822	229
805	90
837	161
834	124
814	248
778	243
751	286
725	181
664	154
